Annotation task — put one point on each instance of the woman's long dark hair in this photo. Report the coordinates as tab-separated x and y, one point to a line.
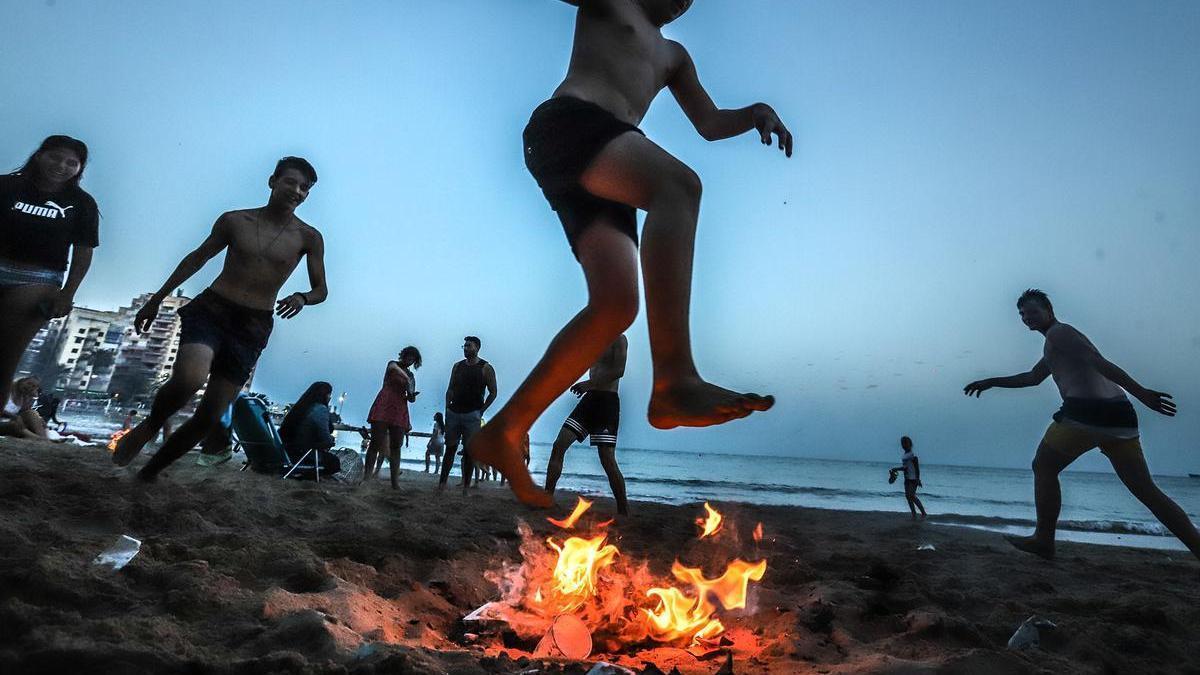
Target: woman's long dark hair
316	393
57	142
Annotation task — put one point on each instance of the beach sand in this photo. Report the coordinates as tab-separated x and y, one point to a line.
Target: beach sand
242	573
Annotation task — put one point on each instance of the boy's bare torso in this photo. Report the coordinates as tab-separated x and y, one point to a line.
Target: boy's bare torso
607	363
1073	371
260	256
620	60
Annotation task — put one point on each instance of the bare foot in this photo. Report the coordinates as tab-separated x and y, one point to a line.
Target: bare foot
1031	545
697	403
130	445
490	446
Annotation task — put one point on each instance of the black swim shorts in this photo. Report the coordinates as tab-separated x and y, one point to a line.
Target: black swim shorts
598	415
562	138
236	334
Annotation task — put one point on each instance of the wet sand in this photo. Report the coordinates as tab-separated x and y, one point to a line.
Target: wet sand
242	573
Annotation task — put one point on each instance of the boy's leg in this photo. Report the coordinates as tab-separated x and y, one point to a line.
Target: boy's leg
453	433
633	170
1060	446
217	397
610	266
1132	470
20	307
557	452
191	369
608	460
375	448
394	437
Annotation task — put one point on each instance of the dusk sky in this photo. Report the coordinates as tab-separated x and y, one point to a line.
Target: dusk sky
948	155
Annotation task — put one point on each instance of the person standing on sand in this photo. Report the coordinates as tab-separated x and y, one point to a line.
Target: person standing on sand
598	415
1095	413
465	404
595	167
389	418
912	476
225	328
436	444
49	227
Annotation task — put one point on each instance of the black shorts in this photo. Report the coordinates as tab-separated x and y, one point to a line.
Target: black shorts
236	334
598	415
562	138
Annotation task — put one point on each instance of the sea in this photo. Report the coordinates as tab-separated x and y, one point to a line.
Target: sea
1096	506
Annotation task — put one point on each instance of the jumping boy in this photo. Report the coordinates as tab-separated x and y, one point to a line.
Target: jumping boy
225	328
596	168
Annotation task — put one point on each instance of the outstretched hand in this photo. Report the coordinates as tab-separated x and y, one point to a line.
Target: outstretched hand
1158	401
290	306
767	123
145	317
977	387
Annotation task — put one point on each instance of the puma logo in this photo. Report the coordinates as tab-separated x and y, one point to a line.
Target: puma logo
50	210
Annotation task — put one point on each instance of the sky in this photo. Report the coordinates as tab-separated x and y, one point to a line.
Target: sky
948	156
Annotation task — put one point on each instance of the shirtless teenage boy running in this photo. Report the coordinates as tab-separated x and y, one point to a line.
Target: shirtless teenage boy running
595	167
225	329
598	415
1095	413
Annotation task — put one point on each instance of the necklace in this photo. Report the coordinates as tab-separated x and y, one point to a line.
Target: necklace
262	252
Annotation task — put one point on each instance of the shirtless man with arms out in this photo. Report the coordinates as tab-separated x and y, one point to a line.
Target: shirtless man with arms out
1095	413
596	168
598	415
225	329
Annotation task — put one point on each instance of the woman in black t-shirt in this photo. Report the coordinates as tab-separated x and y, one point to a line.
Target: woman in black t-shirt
45	219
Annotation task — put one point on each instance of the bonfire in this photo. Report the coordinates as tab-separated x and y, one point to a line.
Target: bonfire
581	582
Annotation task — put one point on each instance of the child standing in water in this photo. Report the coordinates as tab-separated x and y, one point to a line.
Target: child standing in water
596	168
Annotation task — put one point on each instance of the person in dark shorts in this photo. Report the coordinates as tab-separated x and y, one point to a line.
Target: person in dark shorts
1095	413
595	168
910	466
226	327
470	379
598	416
49	227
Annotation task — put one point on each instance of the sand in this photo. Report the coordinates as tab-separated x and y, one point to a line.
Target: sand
242	573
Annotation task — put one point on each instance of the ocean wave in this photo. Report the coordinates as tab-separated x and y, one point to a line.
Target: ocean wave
1100	526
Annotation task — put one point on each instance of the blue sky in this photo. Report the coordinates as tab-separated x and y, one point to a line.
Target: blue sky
949	154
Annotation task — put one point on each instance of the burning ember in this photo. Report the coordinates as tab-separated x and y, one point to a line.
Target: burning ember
710	525
619	601
112	441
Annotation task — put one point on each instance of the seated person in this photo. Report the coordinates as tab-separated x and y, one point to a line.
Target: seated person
307	426
18	418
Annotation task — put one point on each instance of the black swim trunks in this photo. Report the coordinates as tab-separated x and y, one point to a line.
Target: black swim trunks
598	415
562	138
1099	412
236	334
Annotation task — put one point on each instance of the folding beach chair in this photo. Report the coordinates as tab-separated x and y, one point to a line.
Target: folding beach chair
255	434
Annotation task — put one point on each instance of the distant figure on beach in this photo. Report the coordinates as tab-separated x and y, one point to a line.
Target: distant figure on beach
1095	413
47	409
226	327
49	228
465	403
307	426
524	455
596	167
388	417
130	420
598	415
436	444
911	468
18	418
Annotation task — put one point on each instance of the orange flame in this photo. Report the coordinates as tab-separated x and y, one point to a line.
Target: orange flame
112	441
580	507
678	616
758	533
712	524
579	564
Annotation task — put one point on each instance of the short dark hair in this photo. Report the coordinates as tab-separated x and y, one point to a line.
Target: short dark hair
416	354
298	163
1035	295
472	338
906	441
57	142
